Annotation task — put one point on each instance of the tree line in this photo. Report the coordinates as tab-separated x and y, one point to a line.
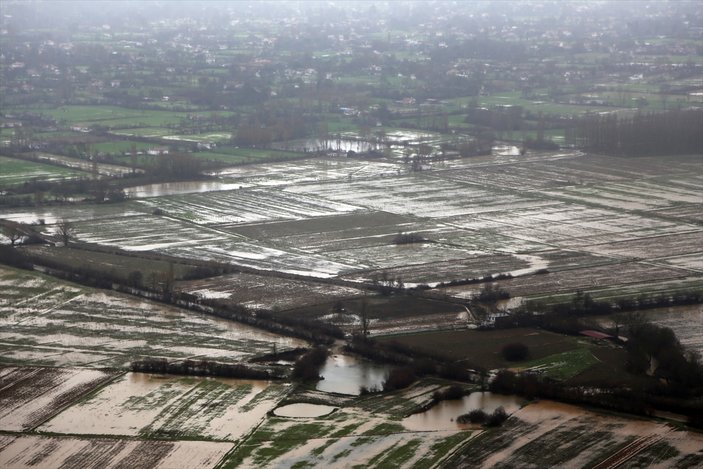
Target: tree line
200	368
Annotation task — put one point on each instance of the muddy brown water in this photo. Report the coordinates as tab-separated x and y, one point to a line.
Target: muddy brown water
443	415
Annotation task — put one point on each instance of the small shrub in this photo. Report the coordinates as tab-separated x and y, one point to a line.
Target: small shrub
135	278
497	418
515	352
409	238
475	416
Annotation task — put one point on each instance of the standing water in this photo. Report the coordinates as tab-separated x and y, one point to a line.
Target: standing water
443	415
345	374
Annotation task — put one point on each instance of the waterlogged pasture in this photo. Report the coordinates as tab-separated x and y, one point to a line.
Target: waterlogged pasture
47	322
259	291
103	169
171	407
14	172
638	226
557	355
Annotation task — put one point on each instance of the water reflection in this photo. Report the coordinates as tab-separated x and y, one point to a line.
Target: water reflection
443	415
175	188
314	144
345	374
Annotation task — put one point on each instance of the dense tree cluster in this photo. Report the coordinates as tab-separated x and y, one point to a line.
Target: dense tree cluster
409	238
307	367
422	363
399	378
492	293
641	134
495	419
655	349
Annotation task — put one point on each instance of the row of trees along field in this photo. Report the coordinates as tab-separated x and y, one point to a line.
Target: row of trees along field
673	132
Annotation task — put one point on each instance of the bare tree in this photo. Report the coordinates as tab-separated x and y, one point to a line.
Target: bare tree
66	230
364	316
12	231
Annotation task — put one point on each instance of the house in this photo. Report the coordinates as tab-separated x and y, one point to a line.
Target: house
156	151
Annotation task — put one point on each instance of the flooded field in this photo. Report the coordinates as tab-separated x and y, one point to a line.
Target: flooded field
29	396
364	432
177	188
558	222
172	407
31	451
584	218
258	291
47	322
443	415
548	434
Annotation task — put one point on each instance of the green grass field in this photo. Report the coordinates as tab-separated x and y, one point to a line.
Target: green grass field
119	265
564	365
14	172
231	155
120	147
484	347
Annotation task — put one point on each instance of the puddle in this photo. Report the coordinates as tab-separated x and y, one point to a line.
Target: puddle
443	415
303	410
505	150
345	374
536	263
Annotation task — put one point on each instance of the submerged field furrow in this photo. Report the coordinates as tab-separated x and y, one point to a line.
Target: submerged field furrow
31	395
29	451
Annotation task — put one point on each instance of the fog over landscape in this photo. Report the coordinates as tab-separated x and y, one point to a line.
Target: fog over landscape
417	234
